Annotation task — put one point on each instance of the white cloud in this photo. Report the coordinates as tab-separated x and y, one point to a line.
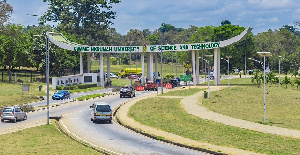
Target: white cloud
271	4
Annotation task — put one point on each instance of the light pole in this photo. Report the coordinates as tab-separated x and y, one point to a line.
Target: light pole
161	73
47	71
279	69
228	68
208	56
264	54
130	62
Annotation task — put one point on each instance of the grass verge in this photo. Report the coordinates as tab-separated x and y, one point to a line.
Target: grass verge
45	139
182	92
167	114
11	94
247	103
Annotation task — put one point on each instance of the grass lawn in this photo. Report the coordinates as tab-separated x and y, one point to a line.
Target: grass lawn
45	139
168	115
11	93
247	102
182	92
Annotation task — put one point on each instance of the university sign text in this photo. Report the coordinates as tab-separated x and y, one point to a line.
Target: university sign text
150	48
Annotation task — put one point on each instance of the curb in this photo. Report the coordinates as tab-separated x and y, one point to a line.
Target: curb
119	122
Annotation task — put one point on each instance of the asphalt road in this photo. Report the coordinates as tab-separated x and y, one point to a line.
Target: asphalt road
76	116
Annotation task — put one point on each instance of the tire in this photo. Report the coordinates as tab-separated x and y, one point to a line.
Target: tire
2	120
15	120
120	96
25	117
91	119
134	95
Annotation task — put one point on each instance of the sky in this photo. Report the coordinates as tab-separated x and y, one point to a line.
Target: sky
261	15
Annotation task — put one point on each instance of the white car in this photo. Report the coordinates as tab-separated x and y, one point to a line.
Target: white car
101	111
112	75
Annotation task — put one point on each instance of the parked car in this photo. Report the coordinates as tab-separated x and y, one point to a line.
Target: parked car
127	91
13	114
61	94
132	77
101	111
112	75
150	85
174	82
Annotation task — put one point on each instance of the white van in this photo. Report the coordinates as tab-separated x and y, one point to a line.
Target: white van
101	111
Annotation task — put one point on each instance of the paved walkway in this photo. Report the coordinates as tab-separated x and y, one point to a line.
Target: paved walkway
192	106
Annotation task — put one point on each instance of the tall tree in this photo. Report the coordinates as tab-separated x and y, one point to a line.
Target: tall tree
5	11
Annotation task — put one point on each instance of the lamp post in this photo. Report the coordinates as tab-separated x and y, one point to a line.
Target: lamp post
47	71
228	68
208	56
161	74
279	69
130	61
264	54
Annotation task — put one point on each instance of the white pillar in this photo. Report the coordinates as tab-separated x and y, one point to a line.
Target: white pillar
156	66
88	62
197	67
193	64
81	63
143	67
151	67
217	66
148	65
108	66
101	71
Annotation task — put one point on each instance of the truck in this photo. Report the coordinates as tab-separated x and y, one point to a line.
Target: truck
126	72
150	85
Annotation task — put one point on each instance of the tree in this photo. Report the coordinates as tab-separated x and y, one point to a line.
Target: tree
225	22
86	19
5	11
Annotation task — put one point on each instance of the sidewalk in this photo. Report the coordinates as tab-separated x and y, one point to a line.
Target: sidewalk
192	106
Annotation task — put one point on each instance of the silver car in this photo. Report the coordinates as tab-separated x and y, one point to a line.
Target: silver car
101	111
13	114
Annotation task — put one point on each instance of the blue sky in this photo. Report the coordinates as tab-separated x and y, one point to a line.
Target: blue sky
261	15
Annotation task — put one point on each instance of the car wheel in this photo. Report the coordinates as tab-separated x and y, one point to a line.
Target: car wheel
91	119
15	120
2	120
25	117
120	96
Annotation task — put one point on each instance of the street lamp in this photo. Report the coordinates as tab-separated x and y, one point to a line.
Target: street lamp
264	54
130	62
208	56
279	69
228	68
47	71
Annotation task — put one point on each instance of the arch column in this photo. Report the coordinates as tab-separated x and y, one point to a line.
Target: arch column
193	65
151	67
143	67
217	66
108	66
101	74
81	63
88	62
197	67
156	66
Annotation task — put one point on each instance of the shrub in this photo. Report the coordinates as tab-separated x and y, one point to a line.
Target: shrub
27	107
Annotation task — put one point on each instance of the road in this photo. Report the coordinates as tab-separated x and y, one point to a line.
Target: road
76	116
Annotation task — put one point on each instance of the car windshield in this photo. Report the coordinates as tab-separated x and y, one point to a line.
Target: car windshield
60	92
103	108
7	110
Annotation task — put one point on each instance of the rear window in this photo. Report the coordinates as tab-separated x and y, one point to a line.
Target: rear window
103	108
7	110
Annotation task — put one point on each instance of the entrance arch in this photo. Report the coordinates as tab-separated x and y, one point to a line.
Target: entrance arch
59	40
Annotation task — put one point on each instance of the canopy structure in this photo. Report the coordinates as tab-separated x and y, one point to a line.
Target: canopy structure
59	40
